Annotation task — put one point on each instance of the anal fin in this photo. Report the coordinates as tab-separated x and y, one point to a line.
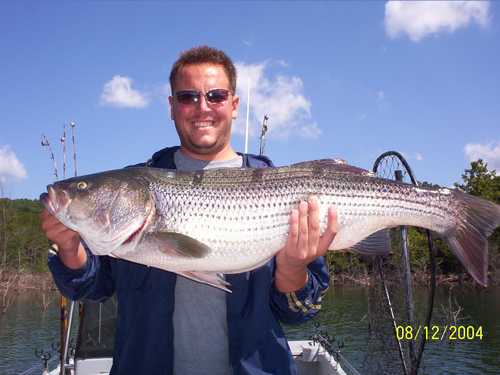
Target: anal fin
209	278
378	243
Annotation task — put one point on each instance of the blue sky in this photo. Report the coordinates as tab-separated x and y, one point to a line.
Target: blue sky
337	79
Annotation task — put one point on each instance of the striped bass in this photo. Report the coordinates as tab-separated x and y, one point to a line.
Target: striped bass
199	224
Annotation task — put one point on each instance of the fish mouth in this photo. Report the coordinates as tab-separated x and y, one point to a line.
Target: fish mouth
54	201
44	198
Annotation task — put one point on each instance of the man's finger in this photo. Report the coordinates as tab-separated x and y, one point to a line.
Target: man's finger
44	214
57	228
65	236
48	220
313	222
293	230
57	233
303	242
330	232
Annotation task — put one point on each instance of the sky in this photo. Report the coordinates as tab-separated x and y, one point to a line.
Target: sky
346	80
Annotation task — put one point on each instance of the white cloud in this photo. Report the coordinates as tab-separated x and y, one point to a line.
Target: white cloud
10	166
490	153
419	19
310	130
280	97
119	93
380	95
419	156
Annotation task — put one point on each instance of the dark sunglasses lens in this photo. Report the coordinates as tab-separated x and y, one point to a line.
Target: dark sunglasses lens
217	96
187	97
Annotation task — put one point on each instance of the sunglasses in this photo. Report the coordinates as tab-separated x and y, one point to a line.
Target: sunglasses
215	96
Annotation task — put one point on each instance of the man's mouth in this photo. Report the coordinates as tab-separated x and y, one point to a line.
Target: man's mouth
203	124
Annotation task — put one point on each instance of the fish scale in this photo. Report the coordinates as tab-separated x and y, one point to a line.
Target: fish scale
233	220
226	227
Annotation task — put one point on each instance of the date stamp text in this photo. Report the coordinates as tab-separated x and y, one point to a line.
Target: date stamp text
439	332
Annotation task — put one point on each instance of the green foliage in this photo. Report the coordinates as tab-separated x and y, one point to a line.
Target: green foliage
481	182
340	262
23	245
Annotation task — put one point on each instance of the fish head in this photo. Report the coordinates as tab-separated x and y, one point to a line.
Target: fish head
109	210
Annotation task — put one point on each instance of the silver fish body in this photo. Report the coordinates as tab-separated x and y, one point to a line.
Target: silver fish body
234	220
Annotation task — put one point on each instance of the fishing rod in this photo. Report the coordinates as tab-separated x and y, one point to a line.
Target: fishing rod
62	300
68	321
73	125
45	143
65	316
63	144
262	137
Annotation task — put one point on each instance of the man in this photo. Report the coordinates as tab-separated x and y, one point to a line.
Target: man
168	324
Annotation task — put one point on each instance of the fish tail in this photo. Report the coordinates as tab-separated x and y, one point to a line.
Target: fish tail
477	219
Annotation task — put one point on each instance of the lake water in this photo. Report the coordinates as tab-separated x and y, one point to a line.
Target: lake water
345	318
25	328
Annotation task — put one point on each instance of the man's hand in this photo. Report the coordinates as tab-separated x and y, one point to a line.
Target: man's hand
304	244
71	251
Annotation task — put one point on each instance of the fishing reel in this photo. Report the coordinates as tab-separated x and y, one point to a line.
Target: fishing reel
44	356
56	347
323	338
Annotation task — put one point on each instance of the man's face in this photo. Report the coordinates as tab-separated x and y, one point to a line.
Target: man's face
204	128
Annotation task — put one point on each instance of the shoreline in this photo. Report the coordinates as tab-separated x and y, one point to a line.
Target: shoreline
24	280
418	280
12	280
13	283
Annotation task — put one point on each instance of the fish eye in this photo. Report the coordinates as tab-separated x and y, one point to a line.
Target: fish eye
82	185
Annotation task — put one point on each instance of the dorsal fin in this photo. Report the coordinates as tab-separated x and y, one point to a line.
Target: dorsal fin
338	165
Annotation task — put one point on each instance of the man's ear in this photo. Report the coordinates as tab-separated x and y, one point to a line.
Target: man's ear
235	105
171	103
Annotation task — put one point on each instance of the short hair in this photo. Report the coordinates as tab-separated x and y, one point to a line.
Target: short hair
205	55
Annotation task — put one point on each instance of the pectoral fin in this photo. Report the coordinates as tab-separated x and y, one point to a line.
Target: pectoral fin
378	243
177	243
210	278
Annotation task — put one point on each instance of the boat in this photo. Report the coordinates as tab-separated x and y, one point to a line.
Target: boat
92	354
311	358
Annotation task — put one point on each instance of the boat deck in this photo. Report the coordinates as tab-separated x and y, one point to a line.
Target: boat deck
311	359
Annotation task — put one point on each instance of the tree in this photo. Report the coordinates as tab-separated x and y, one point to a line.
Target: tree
23	245
481	182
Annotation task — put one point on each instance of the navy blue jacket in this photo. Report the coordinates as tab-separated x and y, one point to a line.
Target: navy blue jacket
144	331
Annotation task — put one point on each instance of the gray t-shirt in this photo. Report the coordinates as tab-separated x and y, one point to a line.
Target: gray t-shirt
200	324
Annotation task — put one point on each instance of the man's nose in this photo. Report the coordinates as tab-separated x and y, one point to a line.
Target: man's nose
203	105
